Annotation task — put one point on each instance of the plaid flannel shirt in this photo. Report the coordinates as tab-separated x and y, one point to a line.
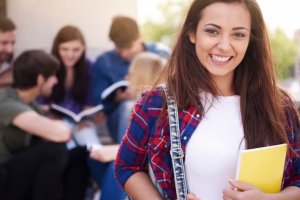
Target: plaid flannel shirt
147	140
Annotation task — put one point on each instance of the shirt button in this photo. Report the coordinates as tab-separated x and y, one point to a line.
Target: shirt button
184	138
197	115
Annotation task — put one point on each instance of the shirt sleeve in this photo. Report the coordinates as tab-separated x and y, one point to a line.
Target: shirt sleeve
292	169
10	110
132	155
100	79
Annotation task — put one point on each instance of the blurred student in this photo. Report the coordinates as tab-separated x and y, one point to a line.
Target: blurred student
144	70
112	66
7	47
73	92
33	156
74	88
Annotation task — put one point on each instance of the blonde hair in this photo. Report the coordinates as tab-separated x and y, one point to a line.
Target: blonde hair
144	71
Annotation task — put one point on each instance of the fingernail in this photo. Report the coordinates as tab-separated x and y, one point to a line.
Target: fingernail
230	180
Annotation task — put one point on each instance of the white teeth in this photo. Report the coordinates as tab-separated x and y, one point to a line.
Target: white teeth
219	58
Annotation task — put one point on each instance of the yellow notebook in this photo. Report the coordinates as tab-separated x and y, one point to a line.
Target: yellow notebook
262	167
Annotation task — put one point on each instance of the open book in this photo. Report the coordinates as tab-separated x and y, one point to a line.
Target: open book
109	92
262	167
76	117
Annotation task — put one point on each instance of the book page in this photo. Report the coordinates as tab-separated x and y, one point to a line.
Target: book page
65	111
109	90
77	117
90	111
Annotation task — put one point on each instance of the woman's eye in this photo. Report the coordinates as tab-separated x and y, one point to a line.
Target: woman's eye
211	31
239	34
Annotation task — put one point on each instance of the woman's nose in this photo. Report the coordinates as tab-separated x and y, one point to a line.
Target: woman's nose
224	43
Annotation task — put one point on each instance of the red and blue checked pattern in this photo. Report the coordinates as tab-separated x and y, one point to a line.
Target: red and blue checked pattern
147	140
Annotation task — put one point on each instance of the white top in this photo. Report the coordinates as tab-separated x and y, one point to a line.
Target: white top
212	151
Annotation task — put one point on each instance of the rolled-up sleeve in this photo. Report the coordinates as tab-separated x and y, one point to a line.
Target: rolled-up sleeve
132	155
292	169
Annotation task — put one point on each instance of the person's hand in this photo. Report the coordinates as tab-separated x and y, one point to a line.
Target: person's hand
122	95
45	107
99	118
192	196
242	191
82	125
105	154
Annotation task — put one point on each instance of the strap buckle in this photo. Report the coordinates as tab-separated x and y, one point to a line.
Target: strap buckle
176	153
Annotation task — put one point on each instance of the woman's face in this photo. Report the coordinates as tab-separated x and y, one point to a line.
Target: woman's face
222	38
70	52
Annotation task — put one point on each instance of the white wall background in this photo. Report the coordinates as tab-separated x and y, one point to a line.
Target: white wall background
39	20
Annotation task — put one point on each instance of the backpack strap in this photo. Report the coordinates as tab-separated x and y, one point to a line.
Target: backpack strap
176	150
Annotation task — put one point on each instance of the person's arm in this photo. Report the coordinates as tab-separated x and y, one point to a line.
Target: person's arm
106	153
146	190
140	187
248	192
131	164
36	124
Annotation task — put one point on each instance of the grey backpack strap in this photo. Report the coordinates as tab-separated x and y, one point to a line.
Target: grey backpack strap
176	150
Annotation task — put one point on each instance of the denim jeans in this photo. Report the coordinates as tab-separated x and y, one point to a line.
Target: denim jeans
103	174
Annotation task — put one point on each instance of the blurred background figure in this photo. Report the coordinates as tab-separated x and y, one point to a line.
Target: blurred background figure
143	72
33	156
71	92
7	47
112	66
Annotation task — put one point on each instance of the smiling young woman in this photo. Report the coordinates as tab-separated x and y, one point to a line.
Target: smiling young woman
221	75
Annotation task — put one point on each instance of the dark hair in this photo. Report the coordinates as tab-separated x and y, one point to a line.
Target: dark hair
29	65
6	24
81	80
254	78
123	31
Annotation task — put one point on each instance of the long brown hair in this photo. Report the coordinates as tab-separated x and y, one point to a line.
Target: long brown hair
81	80
254	78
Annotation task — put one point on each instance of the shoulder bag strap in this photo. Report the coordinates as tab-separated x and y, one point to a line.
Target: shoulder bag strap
176	150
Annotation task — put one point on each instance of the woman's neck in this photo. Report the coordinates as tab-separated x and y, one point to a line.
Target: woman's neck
224	86
69	77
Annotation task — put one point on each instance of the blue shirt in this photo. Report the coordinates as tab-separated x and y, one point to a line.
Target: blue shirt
110	67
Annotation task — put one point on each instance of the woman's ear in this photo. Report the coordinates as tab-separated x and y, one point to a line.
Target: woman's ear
192	38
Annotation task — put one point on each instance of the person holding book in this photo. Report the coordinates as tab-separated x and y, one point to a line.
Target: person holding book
33	156
73	92
221	75
112	66
7	48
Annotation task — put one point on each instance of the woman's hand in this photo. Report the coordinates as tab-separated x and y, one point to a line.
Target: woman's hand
242	191
192	196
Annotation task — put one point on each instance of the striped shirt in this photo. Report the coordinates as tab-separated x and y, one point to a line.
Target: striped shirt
147	140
